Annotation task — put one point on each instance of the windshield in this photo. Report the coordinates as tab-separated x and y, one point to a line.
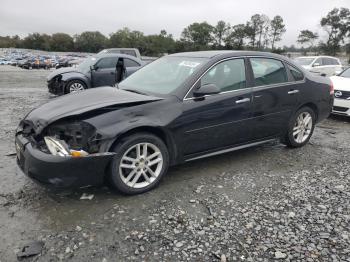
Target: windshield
163	76
304	60
346	73
86	64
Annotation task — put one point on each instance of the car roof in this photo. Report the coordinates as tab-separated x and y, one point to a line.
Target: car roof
116	55
225	53
320	56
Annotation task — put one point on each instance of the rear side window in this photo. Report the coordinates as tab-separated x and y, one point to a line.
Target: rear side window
107	62
335	61
130	63
297	74
268	71
228	75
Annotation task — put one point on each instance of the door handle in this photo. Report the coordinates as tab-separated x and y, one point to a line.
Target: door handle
244	100
291	92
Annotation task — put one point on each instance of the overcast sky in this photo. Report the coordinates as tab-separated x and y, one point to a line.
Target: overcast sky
150	16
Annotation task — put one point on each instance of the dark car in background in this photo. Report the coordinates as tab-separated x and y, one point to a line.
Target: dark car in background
95	71
181	107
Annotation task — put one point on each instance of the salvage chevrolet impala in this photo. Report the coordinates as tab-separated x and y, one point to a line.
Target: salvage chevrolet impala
179	108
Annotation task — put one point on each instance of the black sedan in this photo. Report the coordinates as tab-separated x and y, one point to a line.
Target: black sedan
95	71
179	108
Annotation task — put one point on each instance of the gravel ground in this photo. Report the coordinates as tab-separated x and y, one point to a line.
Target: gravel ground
260	204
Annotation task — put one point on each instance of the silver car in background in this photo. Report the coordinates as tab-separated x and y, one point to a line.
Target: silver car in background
321	65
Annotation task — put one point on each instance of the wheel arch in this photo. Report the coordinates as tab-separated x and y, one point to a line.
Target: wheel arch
311	105
156	131
69	77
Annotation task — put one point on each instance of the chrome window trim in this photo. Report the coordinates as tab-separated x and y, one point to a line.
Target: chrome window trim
252	87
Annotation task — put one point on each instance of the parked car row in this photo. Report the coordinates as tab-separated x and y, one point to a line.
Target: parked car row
29	60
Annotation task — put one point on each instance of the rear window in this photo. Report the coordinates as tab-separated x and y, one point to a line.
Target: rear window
296	73
268	71
128	52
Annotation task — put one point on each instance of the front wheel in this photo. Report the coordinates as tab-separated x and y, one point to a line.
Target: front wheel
301	127
75	86
141	161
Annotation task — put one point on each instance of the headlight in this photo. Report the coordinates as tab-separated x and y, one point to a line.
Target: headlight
56	147
60	148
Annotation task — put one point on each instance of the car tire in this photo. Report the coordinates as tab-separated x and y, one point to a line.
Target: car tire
300	127
134	173
75	86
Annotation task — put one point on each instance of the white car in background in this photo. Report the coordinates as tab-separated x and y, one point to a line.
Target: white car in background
321	65
341	85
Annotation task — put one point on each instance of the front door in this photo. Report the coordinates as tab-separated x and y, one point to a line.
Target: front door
131	66
221	120
104	73
275	95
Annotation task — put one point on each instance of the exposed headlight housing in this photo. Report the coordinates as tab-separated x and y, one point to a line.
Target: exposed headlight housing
78	135
60	148
56	147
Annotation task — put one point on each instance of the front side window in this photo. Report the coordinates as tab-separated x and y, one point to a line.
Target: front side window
268	71
297	74
228	75
107	62
327	61
305	61
318	62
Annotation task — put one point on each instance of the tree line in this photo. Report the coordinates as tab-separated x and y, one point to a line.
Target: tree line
259	33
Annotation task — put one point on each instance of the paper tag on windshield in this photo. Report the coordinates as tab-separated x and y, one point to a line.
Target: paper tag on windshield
189	64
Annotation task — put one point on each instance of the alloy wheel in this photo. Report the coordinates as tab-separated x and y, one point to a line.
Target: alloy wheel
141	165
76	87
302	127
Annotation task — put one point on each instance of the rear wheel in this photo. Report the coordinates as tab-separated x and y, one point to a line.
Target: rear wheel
141	161
75	86
301	127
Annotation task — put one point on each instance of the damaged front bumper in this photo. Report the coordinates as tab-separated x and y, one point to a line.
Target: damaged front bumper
56	86
61	171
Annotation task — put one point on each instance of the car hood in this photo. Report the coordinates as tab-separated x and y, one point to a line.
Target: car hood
63	70
341	83
78	103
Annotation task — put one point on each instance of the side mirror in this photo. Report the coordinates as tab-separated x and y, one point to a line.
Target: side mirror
208	89
315	64
94	68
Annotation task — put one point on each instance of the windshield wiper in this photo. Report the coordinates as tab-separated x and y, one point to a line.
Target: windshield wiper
135	91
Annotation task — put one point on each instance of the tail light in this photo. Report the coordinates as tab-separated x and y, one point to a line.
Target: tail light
331	89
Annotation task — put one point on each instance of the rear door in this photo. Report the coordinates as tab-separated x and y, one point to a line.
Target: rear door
104	75
221	120
275	95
